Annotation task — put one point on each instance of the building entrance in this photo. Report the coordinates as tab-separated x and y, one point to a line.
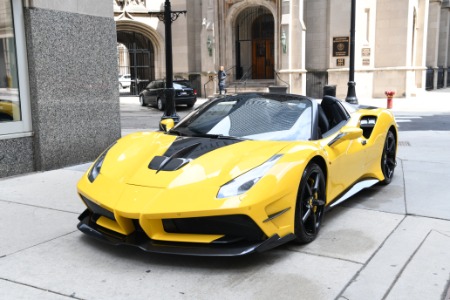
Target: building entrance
136	60
255	44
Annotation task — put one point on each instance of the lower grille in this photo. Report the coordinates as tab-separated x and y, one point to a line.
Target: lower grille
97	209
239	226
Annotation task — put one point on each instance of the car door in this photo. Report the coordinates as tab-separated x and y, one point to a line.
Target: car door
346	161
345	147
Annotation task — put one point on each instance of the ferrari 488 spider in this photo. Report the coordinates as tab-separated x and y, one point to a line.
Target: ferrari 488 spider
240	174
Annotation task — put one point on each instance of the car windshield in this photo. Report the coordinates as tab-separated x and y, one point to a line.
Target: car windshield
254	116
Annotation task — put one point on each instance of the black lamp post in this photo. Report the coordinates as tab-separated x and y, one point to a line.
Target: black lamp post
168	16
351	92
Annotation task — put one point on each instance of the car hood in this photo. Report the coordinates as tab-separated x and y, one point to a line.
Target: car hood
158	160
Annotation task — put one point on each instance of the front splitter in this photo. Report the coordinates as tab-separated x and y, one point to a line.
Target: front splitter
143	242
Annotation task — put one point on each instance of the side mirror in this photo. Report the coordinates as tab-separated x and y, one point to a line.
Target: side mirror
166	124
346	134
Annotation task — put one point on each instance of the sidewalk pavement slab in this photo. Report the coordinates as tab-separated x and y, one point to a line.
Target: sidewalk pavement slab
77	266
430	264
397	261
12	290
351	234
52	189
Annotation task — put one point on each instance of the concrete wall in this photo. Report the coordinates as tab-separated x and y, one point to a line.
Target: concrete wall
16	156
73	85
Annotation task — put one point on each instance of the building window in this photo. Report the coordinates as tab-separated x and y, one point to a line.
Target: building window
9	85
14	104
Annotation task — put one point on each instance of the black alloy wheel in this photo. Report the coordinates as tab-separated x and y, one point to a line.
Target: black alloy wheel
388	158
311	201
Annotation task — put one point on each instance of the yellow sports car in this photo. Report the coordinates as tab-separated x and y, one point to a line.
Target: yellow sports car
240	174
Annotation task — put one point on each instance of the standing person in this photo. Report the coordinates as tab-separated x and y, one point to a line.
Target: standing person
221	77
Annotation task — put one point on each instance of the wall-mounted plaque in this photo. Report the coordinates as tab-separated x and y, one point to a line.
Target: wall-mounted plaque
340	62
365	51
340	46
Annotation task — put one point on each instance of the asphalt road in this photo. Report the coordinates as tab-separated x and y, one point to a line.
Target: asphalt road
416	122
133	116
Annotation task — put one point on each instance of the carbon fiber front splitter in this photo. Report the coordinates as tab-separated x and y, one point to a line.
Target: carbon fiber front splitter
143	242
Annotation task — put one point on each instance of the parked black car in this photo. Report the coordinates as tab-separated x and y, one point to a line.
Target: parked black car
154	95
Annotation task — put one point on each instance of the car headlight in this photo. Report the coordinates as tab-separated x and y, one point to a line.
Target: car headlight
95	170
246	181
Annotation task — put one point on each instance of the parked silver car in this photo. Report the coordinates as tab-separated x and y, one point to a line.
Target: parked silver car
124	81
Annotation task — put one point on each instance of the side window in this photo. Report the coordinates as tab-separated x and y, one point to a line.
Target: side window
333	117
15	112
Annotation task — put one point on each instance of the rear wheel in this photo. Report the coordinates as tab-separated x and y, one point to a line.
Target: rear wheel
388	158
160	104
310	204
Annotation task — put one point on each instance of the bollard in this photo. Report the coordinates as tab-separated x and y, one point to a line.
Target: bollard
389	94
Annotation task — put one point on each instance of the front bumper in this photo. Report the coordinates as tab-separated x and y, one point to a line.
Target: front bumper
141	240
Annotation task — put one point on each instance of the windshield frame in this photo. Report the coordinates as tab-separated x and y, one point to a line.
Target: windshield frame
307	133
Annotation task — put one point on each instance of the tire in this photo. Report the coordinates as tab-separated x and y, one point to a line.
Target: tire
190	105
141	100
388	158
160	104
310	206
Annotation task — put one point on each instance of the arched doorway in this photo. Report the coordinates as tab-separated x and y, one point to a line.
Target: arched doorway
136	56
255	44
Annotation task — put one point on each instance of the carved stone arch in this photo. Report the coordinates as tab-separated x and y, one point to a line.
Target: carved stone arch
230	32
154	37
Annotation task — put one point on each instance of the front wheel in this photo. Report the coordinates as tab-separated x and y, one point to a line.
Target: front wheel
141	100
388	158
160	104
310	206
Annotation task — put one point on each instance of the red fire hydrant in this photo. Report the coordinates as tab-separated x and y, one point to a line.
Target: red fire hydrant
389	94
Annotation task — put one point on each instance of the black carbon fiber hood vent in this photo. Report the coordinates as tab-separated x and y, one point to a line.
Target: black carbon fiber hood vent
185	149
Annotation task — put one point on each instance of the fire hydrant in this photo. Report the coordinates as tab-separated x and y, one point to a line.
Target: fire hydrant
389	94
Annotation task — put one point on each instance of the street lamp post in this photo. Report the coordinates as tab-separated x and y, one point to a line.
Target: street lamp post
168	16
351	92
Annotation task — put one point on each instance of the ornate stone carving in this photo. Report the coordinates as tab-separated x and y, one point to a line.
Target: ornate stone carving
129	5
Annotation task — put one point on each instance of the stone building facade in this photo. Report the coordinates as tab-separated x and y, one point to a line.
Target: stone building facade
292	43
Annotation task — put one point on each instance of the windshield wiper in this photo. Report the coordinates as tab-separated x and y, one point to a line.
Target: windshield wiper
217	136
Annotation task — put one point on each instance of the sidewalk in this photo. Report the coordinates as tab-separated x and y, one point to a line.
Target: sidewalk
387	242
432	101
